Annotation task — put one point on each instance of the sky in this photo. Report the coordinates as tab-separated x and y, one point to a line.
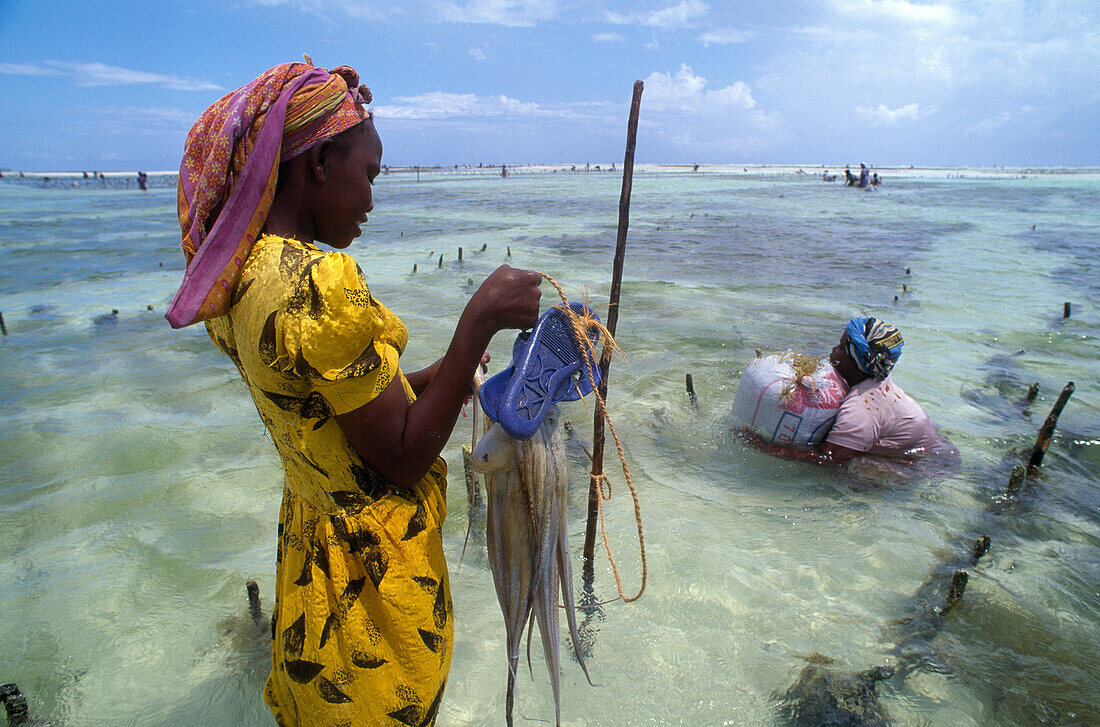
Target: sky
115	84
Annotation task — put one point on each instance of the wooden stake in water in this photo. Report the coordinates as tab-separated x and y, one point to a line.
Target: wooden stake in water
612	319
3	327
690	386
14	704
254	608
1016	480
1046	432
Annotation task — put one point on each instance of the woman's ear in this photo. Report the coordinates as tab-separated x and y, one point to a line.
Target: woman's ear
317	161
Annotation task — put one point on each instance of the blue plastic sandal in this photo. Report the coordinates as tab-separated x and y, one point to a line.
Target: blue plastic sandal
547	367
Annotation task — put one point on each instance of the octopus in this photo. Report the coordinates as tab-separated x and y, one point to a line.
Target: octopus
525	533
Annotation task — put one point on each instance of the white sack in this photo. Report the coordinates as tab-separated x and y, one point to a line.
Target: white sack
785	412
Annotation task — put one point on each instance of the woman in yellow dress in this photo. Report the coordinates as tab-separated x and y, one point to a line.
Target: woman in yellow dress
362	627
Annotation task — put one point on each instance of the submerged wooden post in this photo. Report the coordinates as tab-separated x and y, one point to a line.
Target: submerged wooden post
612	320
1066	309
690	386
957	587
3	327
1016	480
254	601
14	704
441	261
1046	432
1032	392
980	548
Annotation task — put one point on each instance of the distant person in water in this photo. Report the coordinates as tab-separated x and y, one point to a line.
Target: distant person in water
876	417
864	174
142	179
504	170
849	178
875	181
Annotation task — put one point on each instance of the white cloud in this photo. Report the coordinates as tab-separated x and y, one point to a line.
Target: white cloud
993	123
442	104
675	16
477	54
122	117
901	11
515	13
724	36
608	38
27	69
686	92
337	11
883	115
101	74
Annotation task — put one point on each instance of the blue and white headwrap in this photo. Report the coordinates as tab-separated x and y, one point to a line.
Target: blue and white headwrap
874	346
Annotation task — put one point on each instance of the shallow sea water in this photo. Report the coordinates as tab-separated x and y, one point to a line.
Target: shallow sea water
138	491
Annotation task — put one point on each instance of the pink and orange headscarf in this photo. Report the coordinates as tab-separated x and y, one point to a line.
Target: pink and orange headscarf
231	164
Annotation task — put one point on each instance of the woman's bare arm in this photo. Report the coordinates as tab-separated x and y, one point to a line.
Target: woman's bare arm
399	440
826	453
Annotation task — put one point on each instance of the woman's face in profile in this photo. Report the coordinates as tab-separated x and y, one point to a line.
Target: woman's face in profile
351	164
842	360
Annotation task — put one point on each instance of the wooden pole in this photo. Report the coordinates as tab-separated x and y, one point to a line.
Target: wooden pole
1046	432
612	320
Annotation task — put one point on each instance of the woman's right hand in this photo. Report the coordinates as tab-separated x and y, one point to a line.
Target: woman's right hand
509	298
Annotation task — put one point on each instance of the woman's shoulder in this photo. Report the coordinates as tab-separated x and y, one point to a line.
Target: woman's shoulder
313	312
293	266
289	255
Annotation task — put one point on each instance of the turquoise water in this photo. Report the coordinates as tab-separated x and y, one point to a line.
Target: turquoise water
138	491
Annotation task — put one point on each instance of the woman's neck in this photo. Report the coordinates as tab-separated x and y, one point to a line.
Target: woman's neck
290	216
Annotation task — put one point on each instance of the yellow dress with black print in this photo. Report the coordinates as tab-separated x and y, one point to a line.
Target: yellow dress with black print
362	631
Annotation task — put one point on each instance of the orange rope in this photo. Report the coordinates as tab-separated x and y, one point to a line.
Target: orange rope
581	326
